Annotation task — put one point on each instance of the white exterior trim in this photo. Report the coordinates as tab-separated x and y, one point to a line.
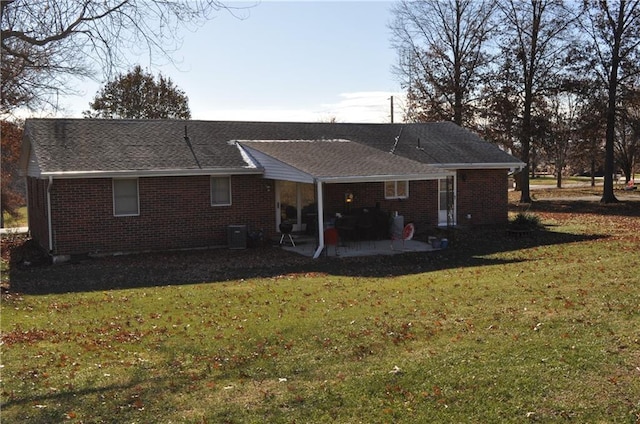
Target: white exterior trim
383	178
513	166
148	173
275	169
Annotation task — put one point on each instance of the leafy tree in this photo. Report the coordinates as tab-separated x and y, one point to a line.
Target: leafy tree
137	95
43	43
443	50
11	195
613	30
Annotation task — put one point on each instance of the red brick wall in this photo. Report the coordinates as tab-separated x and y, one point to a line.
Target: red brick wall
484	195
420	207
175	212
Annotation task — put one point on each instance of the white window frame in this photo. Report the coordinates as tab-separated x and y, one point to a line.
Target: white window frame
395	190
116	196
211	185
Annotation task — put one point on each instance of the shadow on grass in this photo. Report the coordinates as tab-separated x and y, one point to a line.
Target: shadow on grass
126	401
467	248
64	395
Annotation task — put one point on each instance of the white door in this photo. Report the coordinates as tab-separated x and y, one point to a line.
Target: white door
446	202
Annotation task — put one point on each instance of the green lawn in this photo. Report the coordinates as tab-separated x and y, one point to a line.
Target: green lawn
536	333
551	180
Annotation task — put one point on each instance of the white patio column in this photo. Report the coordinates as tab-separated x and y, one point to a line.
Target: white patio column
320	220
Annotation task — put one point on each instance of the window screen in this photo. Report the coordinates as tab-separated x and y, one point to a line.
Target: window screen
220	191
125	197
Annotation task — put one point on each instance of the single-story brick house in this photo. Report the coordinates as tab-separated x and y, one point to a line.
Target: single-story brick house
107	186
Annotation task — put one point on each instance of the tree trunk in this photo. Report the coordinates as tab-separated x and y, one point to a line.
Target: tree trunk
517	179
559	179
525	194
607	194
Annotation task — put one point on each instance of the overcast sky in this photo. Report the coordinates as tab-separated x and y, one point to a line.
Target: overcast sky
283	61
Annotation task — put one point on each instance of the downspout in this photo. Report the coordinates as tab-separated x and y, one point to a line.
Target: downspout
320	220
49	220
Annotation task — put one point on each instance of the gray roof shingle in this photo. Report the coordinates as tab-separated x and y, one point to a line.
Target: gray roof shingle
87	145
339	159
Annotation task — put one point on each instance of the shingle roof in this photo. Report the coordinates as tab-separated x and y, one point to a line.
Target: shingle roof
341	160
74	145
86	145
446	143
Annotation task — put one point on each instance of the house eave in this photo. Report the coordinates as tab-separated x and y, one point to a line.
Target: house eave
131	173
513	166
383	178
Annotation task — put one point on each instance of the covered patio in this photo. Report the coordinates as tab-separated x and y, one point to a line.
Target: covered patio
331	162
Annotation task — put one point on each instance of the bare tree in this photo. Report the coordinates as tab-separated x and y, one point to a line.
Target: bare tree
500	106
533	41
613	29
627	140
565	106
587	150
44	42
442	45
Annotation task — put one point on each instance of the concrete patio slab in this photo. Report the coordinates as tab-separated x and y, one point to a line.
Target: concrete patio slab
307	247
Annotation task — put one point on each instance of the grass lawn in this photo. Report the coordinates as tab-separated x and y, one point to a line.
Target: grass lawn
550	180
545	328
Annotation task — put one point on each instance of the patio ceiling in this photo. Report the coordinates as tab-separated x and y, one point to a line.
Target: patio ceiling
333	161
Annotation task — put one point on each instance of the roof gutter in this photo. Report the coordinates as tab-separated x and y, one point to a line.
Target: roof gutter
513	166
383	178
152	173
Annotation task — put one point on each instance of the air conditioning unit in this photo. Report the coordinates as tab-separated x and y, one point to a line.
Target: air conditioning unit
237	236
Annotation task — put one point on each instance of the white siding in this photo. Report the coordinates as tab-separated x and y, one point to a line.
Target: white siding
276	170
33	168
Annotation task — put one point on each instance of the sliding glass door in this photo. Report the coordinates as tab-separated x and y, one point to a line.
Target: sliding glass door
295	203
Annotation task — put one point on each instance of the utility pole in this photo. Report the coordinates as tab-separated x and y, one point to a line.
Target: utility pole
392	109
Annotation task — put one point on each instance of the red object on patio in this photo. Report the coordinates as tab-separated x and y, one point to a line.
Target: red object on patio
331	239
409	230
